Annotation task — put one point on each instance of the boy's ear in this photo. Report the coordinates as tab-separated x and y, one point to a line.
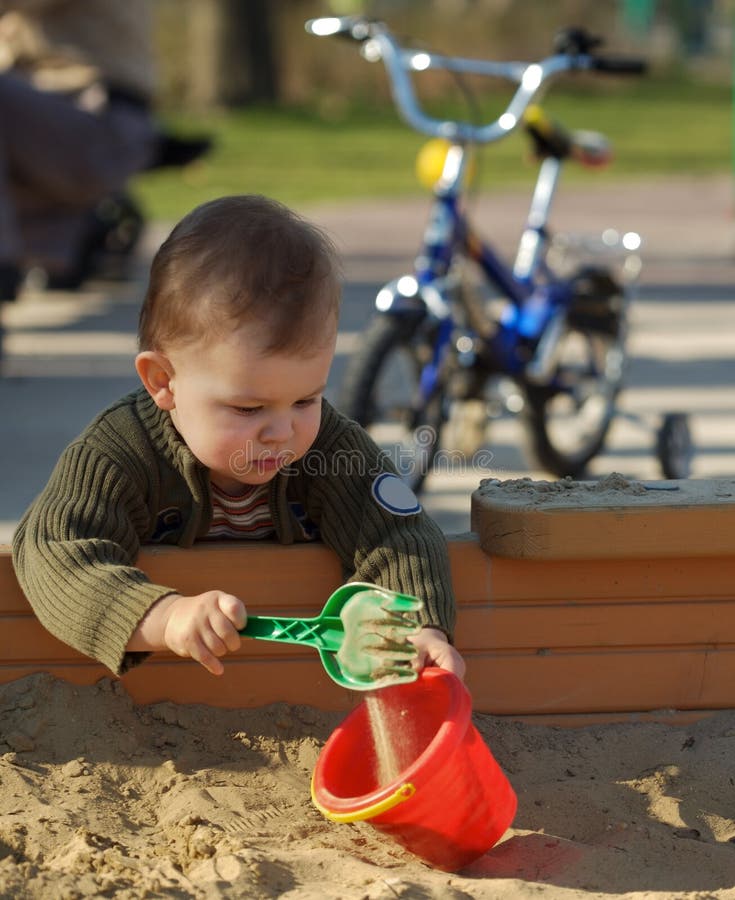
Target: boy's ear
155	371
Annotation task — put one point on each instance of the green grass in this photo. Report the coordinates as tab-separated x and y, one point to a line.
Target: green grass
301	157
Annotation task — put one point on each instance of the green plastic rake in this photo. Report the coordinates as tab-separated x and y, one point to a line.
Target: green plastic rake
361	635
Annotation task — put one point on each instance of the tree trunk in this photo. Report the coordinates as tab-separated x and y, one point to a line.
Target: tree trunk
248	70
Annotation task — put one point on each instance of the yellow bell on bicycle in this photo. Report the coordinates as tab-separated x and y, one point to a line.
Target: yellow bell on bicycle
430	162
535	116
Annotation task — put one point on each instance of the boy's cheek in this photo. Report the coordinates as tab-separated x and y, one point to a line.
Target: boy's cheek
315	424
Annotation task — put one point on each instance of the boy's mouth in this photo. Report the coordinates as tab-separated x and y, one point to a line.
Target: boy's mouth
276	461
261	463
270	462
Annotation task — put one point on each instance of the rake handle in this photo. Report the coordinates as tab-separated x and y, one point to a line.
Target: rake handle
322	632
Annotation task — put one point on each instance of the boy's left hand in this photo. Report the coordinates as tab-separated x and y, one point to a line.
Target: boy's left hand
435	650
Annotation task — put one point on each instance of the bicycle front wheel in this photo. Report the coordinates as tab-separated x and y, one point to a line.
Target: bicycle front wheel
567	420
381	391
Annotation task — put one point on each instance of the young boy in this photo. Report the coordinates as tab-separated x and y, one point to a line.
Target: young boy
229	436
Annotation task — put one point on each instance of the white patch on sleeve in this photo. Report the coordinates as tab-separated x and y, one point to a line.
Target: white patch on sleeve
395	495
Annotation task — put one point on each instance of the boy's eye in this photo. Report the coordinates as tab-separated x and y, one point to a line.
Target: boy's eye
252	410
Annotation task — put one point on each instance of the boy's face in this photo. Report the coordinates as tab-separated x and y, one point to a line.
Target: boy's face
243	413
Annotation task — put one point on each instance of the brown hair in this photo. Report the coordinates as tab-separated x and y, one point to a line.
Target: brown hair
241	259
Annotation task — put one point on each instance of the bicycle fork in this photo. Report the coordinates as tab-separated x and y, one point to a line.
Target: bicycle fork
535	236
530	257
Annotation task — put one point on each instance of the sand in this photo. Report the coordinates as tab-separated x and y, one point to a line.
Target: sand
103	798
611	491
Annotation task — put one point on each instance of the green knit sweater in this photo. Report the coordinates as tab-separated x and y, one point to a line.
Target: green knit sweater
129	479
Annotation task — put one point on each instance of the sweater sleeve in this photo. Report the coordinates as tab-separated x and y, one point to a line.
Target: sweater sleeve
407	553
74	554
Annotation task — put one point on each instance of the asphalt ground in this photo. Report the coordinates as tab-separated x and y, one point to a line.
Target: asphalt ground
69	354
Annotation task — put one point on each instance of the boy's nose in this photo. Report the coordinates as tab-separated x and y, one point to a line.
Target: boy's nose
278	429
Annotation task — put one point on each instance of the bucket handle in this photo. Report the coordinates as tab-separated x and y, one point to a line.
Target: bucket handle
405	791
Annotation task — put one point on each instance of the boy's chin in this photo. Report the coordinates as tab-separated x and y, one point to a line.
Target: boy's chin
259	478
237	484
259	475
256	472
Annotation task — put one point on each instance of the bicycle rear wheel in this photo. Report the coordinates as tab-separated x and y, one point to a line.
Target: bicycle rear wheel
567	420
381	392
674	446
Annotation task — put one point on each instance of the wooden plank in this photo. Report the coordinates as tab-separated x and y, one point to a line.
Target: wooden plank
11	596
634	623
514	684
298	681
471	570
576	520
266	573
596	681
622	578
595	625
24	639
268	576
182	681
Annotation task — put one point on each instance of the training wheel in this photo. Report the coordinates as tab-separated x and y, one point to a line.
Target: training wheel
674	446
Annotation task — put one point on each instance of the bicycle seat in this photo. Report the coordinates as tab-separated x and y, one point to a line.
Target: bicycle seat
592	149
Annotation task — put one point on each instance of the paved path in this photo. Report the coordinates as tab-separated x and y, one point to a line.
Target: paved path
67	355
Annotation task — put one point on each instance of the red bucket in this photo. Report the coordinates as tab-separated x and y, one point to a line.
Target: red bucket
449	802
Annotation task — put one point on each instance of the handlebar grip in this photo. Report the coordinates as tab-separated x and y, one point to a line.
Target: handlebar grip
612	65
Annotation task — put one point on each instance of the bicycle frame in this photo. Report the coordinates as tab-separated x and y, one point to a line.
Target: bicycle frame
531	306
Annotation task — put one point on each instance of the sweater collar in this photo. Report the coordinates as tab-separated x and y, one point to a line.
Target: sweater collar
160	426
169	442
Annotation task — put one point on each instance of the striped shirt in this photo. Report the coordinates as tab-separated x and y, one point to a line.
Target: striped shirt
247	517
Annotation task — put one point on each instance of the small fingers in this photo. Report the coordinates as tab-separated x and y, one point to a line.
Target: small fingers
226	621
421	660
202	643
204	627
455	664
225	632
201	653
441	653
196	648
234	610
212	640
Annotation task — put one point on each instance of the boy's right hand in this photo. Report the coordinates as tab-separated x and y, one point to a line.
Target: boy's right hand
203	627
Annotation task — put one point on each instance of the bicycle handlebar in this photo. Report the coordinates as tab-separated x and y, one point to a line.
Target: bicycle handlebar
380	44
619	65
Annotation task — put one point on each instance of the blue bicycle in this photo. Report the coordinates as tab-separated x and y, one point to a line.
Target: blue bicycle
466	331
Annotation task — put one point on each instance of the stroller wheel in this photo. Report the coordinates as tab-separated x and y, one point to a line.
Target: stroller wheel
115	226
